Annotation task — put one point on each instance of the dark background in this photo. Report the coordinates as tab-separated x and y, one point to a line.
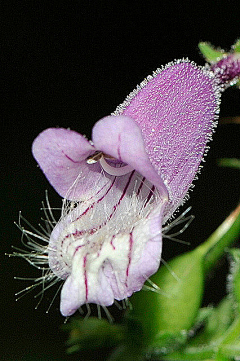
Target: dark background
68	64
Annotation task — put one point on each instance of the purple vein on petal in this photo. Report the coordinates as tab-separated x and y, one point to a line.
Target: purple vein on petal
69	158
98	201
79	233
129	255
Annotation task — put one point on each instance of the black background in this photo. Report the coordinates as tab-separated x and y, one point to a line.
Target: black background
68	64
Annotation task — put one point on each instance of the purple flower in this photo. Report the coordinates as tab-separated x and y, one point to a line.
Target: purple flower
121	187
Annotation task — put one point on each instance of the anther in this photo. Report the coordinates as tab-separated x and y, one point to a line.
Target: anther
94	158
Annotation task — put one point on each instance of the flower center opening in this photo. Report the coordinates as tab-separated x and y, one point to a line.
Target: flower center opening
101	158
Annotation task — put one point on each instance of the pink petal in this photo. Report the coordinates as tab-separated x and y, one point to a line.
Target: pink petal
61	154
175	110
122	138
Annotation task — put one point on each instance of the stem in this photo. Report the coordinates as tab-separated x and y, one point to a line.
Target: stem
229	120
232	333
229	162
214	247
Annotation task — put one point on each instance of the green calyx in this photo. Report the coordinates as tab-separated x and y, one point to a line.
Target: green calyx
211	54
167	315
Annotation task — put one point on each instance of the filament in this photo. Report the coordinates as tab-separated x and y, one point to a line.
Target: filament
114	170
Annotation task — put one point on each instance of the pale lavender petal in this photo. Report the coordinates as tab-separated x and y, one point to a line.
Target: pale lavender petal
122	138
107	247
175	110
61	154
150	258
117	269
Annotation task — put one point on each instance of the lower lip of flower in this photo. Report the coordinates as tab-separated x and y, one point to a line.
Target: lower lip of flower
93	244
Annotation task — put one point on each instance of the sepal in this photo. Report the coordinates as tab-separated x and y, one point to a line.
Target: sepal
210	53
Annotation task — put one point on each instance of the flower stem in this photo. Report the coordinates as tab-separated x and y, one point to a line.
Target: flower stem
224	236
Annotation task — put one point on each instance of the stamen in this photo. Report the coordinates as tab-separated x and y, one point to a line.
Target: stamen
108	314
94	158
99	312
114	170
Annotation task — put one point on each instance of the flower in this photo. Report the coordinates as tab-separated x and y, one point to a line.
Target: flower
125	183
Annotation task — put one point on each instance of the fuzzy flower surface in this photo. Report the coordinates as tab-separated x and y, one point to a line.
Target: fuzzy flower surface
122	186
227	69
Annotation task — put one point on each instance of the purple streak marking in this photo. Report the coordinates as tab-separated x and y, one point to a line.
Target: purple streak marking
141	185
129	256
112	242
149	195
74	161
118	150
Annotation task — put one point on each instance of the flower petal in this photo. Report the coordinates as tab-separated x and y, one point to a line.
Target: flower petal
175	109
119	268
61	154
122	138
107	246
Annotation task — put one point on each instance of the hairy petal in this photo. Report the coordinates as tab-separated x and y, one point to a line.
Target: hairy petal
141	268
175	110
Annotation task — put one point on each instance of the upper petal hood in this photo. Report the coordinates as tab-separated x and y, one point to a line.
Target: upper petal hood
161	130
121	137
61	154
175	110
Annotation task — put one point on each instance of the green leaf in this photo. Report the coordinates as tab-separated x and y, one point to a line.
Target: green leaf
232	350
220	338
229	162
216	324
127	353
230	340
234	277
210	53
209	344
236	46
225	235
203	314
93	333
192	354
